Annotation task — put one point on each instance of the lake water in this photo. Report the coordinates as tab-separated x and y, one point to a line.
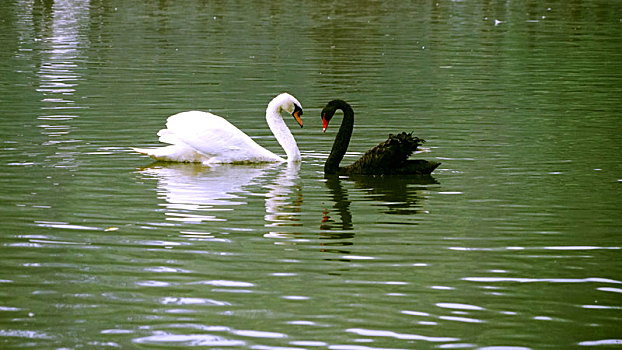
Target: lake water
514	242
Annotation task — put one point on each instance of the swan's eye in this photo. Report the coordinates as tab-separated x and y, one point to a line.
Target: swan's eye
297	109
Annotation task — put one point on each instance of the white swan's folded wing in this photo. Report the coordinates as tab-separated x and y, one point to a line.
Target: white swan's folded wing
214	137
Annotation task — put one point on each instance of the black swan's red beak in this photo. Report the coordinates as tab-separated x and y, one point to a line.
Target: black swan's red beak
324	123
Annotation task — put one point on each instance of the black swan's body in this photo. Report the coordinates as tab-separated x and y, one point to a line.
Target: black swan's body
387	158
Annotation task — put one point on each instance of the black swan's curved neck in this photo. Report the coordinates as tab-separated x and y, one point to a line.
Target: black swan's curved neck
342	140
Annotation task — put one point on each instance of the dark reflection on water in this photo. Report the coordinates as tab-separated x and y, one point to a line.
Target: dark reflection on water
398	194
342	206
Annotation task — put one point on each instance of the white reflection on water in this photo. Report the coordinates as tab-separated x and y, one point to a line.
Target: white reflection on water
284	201
191	190
196	193
58	33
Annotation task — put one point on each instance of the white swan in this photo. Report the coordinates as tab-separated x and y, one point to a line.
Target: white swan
202	137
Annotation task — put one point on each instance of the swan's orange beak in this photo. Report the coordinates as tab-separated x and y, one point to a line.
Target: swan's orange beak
324	124
297	113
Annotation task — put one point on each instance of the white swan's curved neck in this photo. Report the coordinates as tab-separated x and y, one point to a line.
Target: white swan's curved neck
281	131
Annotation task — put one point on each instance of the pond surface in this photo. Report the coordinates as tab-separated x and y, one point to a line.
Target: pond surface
514	242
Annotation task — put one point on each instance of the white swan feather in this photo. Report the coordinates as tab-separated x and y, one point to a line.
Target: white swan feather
203	137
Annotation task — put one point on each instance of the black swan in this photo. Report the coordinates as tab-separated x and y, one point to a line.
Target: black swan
387	158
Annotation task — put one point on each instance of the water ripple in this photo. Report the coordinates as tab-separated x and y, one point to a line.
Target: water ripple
189	340
601	342
192	301
258	334
391	334
226	283
459	306
24	334
166	269
461	319
536	280
359	347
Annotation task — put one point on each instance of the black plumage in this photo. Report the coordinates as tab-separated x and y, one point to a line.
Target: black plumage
388	157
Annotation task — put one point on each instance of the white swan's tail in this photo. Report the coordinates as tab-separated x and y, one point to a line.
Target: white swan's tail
172	153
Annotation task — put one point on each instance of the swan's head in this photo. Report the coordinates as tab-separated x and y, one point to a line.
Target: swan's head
329	111
290	104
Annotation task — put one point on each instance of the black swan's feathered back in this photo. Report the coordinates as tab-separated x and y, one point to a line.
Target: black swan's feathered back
388	156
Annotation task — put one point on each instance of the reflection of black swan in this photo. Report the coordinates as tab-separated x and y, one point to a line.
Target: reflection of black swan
389	157
399	194
342	204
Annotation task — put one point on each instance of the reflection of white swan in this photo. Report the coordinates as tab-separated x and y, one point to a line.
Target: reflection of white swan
191	191
283	200
206	138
